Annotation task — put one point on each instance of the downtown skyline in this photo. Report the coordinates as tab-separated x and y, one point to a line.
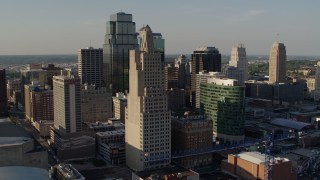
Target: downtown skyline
61	27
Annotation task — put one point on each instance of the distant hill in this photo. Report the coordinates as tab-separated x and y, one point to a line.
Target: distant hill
46	59
72	58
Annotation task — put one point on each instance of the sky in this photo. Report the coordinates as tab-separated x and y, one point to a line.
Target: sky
63	26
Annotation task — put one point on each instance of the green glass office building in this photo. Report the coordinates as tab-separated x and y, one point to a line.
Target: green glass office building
223	102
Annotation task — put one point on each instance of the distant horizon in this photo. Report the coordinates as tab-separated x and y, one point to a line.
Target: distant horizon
171	54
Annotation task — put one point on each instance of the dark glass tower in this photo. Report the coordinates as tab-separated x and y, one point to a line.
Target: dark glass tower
3	93
203	59
119	39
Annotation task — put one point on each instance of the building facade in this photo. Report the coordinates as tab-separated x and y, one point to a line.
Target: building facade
119	39
251	165
67	104
96	104
90	64
204	58
202	77
176	99
277	63
119	106
192	134
3	93
238	60
148	124
223	102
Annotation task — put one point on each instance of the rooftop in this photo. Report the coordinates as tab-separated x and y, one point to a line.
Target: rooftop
110	133
289	123
258	158
168	171
25	173
9	141
8	129
254	157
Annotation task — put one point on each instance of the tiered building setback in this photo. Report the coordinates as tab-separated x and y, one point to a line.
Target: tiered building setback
148	123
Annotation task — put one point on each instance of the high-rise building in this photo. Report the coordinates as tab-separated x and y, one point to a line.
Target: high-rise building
52	70
158	44
171	77
96	104
277	63
119	106
191	134
236	73
42	105
316	94
3	93
90	62
148	123
238	59
33	72
67	104
223	102
28	105
202	77
204	58
119	39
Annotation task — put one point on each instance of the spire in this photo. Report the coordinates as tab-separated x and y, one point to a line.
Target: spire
146	39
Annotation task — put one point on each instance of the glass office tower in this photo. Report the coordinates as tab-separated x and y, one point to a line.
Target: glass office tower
119	39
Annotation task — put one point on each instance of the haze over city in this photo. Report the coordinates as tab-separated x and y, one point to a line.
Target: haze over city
62	27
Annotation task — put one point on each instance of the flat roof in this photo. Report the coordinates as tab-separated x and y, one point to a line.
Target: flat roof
254	157
289	123
25	173
9	141
166	171
8	129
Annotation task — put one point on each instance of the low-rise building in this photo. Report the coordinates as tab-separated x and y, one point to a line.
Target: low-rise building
251	165
96	104
191	134
17	148
169	173
111	146
65	172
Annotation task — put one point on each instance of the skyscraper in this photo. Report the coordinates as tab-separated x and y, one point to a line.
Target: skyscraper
90	66
119	39
223	102
67	104
277	63
238	64
204	58
3	93
158	44
148	123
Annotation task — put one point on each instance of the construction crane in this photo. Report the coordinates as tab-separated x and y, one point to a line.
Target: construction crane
269	158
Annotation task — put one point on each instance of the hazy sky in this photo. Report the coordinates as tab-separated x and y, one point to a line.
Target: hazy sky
63	26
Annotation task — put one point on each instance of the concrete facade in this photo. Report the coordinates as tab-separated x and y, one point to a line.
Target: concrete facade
277	63
238	60
119	106
96	104
148	124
